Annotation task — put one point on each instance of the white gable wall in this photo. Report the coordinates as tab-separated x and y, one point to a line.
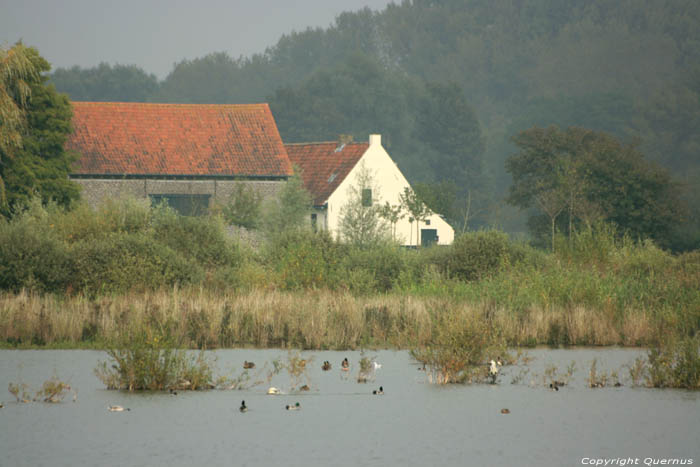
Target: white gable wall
391	183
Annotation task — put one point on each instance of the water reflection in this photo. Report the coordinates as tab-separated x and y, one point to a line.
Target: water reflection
341	422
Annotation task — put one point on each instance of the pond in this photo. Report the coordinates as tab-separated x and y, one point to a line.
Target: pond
341	423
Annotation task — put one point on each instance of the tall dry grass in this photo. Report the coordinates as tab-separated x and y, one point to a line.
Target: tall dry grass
315	319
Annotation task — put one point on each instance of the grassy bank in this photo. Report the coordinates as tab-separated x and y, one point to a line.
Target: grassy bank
82	277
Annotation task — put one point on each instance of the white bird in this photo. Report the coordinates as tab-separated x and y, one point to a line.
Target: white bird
273	391
493	368
377	365
116	408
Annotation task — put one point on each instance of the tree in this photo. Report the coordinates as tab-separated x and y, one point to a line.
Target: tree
290	209
591	174
16	70
33	161
416	208
392	214
121	83
360	220
447	124
243	207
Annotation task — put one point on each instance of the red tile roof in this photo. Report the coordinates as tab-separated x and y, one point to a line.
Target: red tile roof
324	165
176	139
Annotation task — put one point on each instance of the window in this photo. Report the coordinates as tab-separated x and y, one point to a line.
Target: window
314	220
367	197
185	205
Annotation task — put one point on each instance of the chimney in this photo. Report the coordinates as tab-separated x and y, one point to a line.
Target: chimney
375	139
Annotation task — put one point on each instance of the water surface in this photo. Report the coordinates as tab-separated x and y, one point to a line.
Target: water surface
341	423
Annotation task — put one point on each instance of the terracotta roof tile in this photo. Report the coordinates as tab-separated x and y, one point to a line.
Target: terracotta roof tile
324	165
176	139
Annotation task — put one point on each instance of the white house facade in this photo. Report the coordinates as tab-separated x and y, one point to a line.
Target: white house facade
330	171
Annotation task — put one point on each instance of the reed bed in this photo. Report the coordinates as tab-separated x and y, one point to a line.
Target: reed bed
316	319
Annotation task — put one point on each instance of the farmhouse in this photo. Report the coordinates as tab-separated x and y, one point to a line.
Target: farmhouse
188	155
331	169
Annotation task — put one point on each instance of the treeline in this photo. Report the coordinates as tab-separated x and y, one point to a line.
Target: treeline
450	82
595	289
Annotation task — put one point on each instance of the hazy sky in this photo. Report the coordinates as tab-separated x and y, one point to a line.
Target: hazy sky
155	34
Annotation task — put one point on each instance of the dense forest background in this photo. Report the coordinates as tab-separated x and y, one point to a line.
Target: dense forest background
450	83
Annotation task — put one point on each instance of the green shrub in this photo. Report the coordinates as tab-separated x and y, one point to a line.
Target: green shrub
675	364
460	346
32	257
382	261
144	360
200	238
112	216
124	262
305	259
476	255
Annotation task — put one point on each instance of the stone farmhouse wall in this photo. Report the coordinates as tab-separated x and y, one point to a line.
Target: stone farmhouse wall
96	190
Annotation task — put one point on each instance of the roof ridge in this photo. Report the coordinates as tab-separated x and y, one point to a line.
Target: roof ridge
170	104
325	142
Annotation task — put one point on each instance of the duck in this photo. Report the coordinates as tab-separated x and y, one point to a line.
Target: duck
243	407
305	388
326	366
173	392
379	392
248	365
117	408
273	391
505	411
345	365
293	407
554	386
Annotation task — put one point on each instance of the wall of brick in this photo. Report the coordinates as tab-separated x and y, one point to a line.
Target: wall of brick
96	190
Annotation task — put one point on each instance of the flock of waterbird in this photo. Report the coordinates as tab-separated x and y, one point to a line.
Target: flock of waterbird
494	366
344	366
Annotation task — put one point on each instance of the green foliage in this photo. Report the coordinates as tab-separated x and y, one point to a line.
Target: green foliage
36	164
118	83
477	255
459	349
244	207
305	259
375	268
415	208
588	176
675	364
449	126
32	255
119	263
290	210
142	360
201	239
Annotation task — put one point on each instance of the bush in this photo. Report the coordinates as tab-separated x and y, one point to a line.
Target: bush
460	346
305	259
380	265
32	257
142	360
202	239
474	256
675	364
124	262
